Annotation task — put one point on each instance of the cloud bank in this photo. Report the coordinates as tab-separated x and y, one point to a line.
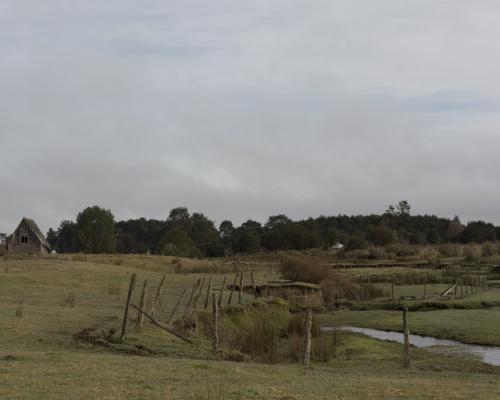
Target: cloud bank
246	109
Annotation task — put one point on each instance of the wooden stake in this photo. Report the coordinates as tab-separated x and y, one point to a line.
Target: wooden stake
222	290
237	270
160	325
240	292
392	289
187	309
215	315
232	289
209	288
142	304
406	344
307	338
127	306
253	284
158	294
198	294
362	289
172	314
425	290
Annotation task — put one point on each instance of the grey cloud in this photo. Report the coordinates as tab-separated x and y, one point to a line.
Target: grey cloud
246	109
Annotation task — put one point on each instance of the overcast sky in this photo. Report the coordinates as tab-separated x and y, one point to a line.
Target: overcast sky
244	109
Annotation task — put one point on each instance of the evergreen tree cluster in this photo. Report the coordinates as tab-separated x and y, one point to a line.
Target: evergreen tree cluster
184	234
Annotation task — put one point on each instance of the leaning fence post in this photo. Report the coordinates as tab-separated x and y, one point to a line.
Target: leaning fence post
142	305
406	344
209	288
222	290
158	294
232	289
172	314
307	338
215	314
127	306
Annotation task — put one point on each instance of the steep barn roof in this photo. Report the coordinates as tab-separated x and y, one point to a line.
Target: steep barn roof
36	230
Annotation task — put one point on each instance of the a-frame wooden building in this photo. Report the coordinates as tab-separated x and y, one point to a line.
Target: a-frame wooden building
27	239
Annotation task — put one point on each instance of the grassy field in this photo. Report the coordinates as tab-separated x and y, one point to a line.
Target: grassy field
44	302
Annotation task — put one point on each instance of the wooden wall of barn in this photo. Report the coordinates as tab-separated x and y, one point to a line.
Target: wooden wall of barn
33	245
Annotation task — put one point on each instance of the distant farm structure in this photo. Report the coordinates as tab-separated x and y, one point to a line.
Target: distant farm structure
27	239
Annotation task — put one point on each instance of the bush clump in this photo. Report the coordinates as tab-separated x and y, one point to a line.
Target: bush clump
301	268
473	252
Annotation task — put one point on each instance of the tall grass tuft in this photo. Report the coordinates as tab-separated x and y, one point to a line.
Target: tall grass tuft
20	309
113	288
70	300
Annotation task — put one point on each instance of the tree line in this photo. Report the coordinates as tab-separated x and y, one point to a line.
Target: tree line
186	234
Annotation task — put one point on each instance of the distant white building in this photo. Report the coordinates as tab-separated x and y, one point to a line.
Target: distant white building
338	246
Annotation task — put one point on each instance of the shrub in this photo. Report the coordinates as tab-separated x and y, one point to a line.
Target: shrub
377	252
403	250
451	250
473	252
489	249
301	268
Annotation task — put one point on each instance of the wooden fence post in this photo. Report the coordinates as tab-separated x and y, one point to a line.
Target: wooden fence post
232	289
142	305
222	290
187	309
425	290
215	314
198	294
160	325
157	297
392	289
307	338
127	306
406	344
362	289
253	284
172	314
209	288
240	292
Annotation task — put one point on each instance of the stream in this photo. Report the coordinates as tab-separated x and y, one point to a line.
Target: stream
489	355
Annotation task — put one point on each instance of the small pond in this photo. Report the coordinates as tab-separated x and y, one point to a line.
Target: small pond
489	355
